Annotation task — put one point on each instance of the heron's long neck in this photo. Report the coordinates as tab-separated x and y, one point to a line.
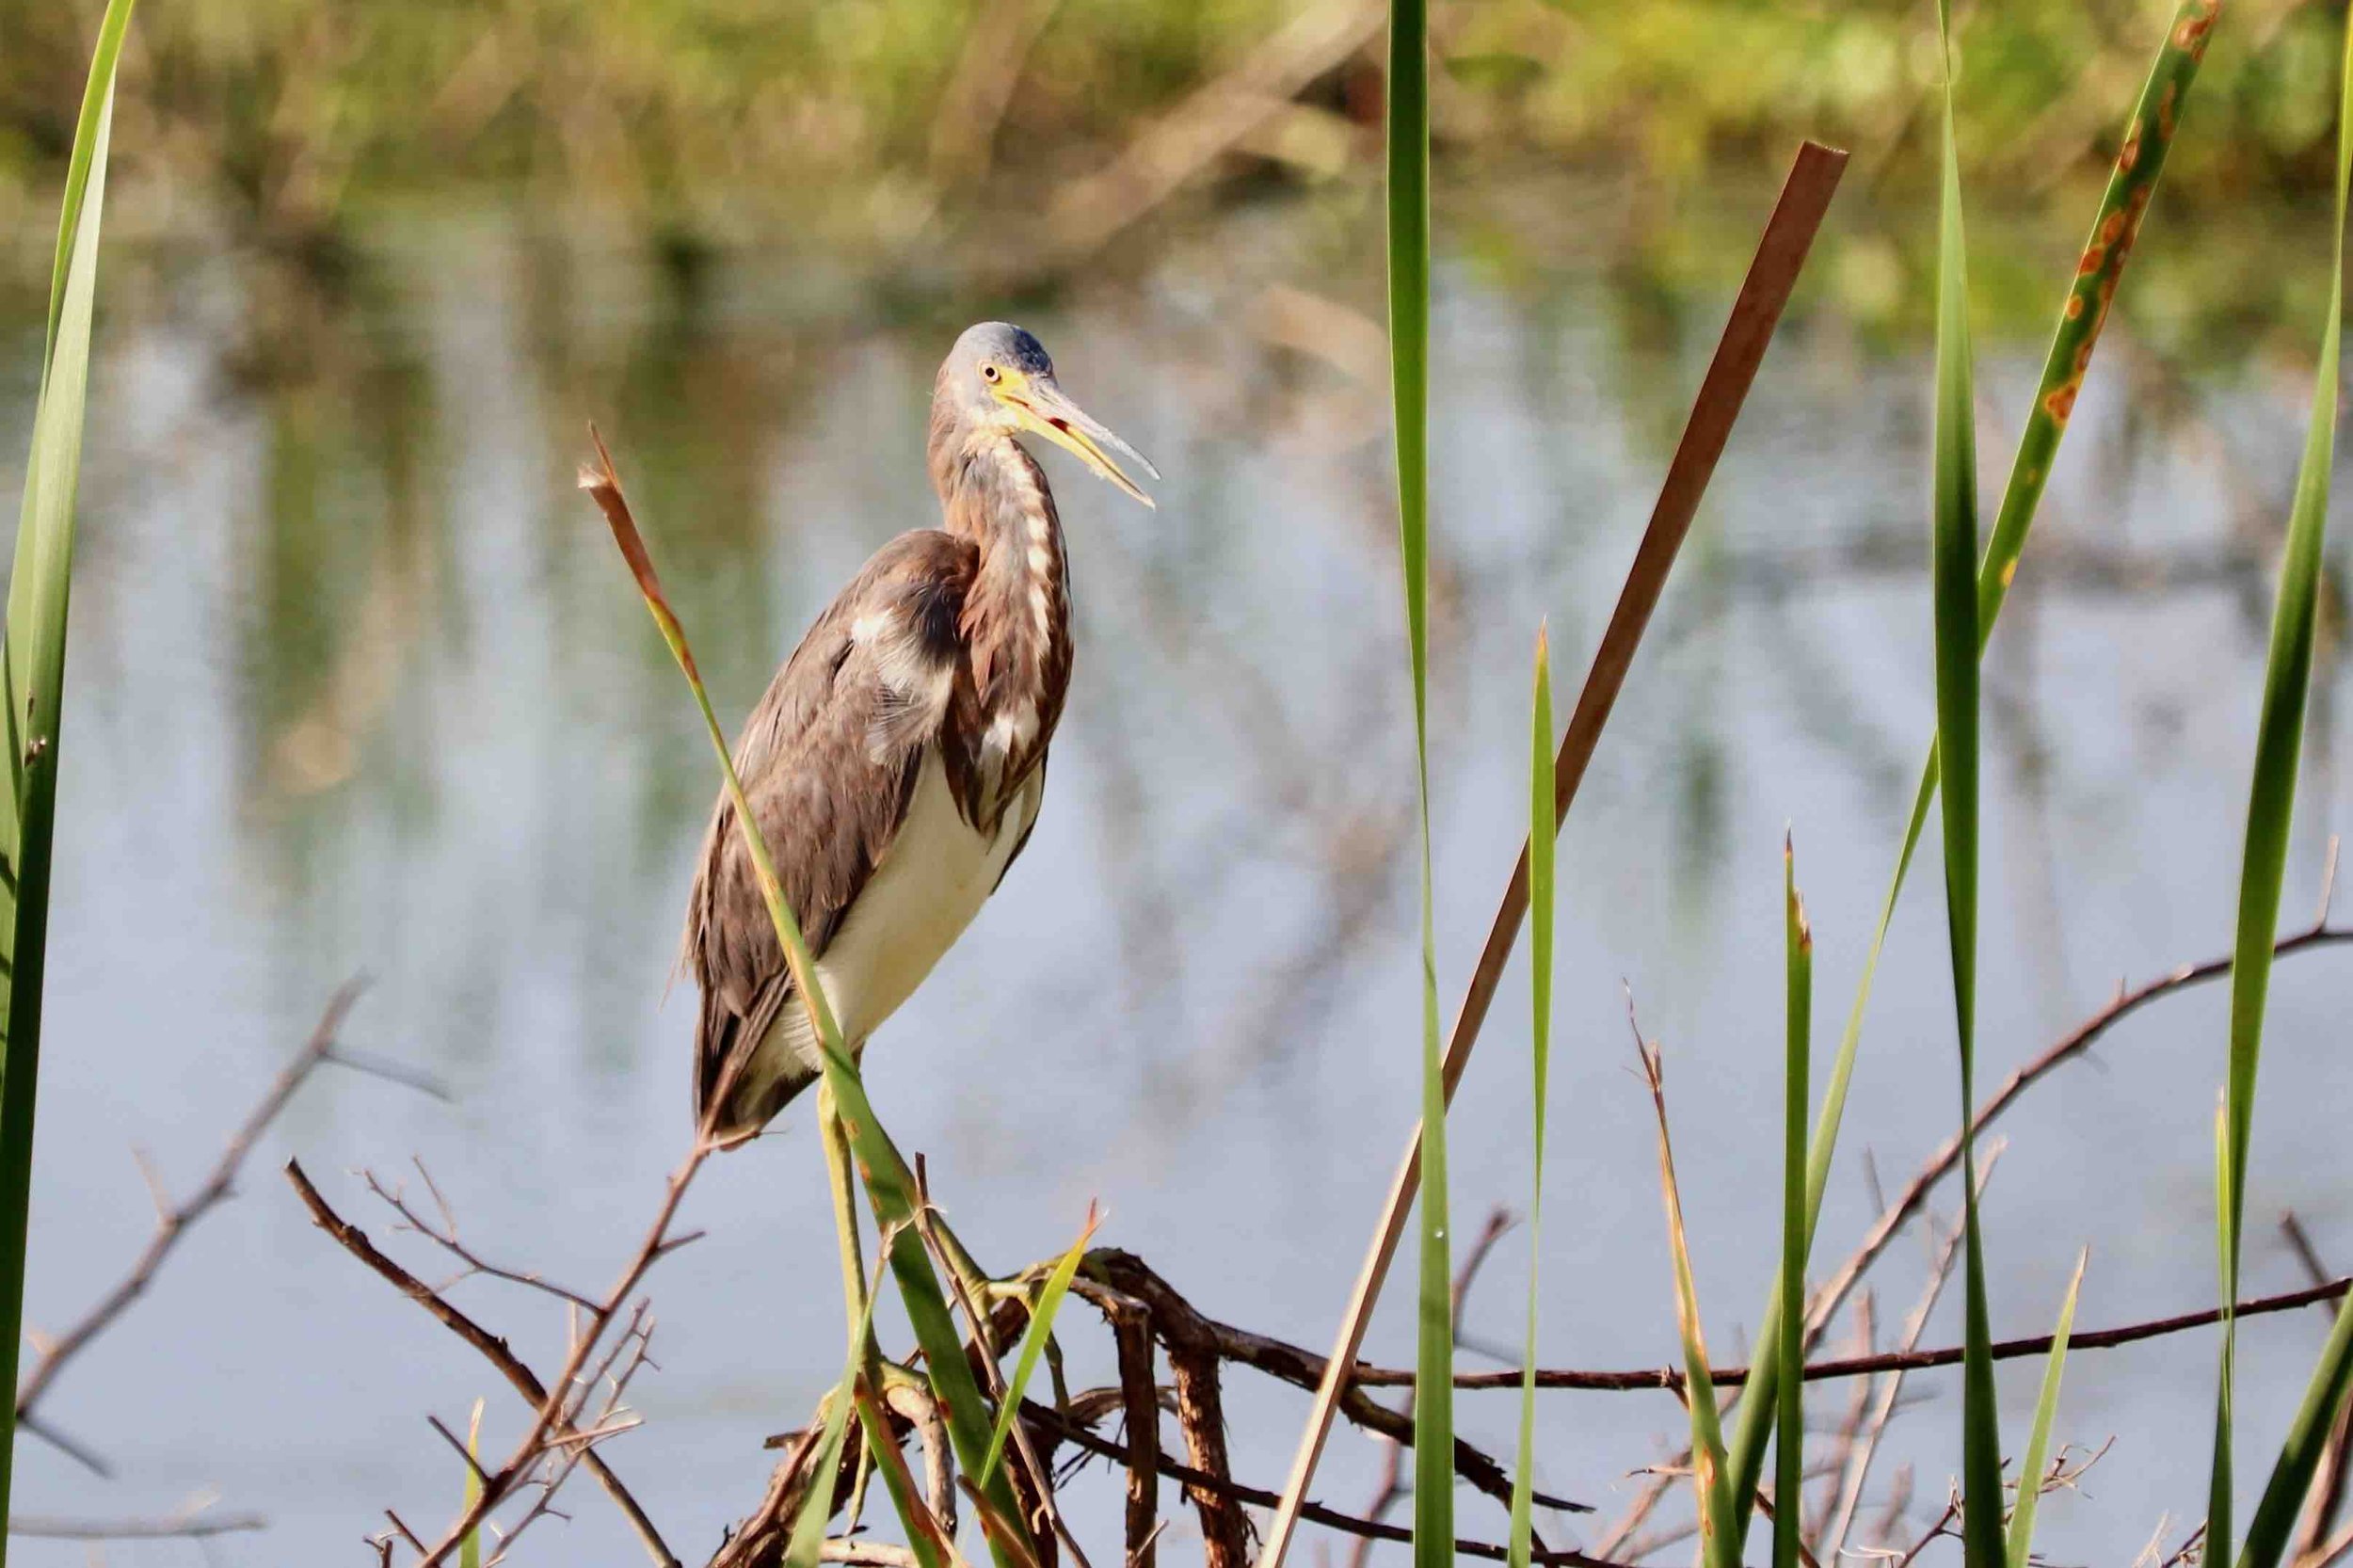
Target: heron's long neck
1016	616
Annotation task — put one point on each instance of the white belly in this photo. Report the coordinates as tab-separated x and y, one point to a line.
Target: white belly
931	881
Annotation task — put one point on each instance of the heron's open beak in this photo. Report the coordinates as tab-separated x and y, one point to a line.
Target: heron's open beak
1042	406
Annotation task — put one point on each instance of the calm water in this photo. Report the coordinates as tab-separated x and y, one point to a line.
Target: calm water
358	685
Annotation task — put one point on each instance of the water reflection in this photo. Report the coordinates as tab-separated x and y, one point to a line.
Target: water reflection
357	685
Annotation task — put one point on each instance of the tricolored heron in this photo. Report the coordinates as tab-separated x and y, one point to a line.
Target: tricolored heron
897	763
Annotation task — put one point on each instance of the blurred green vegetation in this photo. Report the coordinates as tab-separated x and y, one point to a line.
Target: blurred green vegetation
868	124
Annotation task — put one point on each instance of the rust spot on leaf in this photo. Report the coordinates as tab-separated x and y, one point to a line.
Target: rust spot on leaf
2192	35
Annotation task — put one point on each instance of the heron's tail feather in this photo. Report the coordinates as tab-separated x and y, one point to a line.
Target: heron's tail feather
779	1064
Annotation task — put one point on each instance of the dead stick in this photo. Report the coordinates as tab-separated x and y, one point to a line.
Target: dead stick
1201	1415
1780	256
1133	1333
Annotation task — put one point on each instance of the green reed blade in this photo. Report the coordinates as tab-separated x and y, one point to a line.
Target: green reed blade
2274	1524
889	1182
1719	1545
1034	1340
2271	803
1539	924
2149	136
32	669
1955	564
1409	374
927	1538
2220	1481
1788	1400
809	1525
470	1549
2045	1409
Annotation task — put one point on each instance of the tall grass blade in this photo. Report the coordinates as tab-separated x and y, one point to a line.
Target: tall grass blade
2045	1410
1955	573
1539	924
32	671
927	1537
809	1525
2274	1524
1719	1545
1409	376
1034	1340
2149	134
1789	1440
470	1549
2270	807
889	1181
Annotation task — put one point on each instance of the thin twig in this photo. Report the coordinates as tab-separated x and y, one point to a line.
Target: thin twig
1944	1526
73	1447
493	1347
458	1443
2077	1040
1851	1429
1789	235
446	1235
554	1414
1670	1379
173	1219
1940	1269
191	1527
1859	1470
405	1533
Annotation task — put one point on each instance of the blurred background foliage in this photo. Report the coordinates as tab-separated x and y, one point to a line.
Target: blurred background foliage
871	128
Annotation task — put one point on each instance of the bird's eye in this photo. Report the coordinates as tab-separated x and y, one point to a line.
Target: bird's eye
990	372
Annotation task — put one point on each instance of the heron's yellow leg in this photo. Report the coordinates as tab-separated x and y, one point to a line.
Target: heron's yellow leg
836	1141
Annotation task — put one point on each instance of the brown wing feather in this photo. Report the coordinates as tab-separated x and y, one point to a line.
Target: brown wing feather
829	759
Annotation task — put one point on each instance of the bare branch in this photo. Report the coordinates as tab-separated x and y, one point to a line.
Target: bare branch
492	1349
173	1219
1670	1379
2074	1043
